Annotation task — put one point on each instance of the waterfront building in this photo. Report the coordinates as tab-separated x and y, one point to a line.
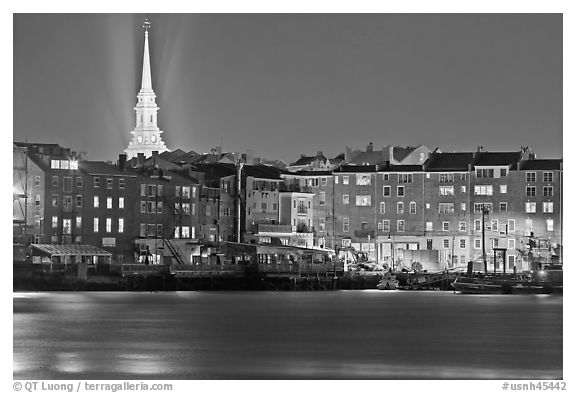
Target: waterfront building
146	136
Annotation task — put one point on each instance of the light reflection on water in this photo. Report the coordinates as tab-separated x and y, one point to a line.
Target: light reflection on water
286	335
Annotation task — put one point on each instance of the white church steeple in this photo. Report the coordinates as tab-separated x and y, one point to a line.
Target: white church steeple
146	136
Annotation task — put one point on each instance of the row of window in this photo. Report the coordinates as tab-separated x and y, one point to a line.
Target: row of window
493	225
69	201
365	179
67	224
547	191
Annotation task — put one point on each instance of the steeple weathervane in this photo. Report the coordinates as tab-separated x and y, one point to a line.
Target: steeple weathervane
146	25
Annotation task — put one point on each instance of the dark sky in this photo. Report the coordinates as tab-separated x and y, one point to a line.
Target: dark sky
286	84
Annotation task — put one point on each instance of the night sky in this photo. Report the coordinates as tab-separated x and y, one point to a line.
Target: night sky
286	84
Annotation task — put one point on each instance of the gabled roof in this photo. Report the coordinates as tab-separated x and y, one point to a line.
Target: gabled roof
439	162
172	155
217	170
263	171
401	153
370	157
544	164
306	160
497	158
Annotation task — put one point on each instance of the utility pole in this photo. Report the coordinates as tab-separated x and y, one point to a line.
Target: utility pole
238	200
484	212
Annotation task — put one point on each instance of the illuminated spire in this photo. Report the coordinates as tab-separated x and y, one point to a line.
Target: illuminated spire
146	137
146	74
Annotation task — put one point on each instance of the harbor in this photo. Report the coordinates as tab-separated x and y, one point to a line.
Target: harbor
367	334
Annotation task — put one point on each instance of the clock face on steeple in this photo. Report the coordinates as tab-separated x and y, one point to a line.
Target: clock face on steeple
153	138
139	139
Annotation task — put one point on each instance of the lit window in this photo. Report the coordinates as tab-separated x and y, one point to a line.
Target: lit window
55	200
345	179
120	202
108	225
186	192
400	208
429	226
363	200
96	201
463	189
446	190
96	224
345	199
550	225
54	222
483	190
54	164
530	207
78	222
548	207
463	206
503	189
109	203
362	180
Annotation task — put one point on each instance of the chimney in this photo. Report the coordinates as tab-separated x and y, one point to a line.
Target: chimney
347	154
140	159
391	154
320	152
370	148
122	161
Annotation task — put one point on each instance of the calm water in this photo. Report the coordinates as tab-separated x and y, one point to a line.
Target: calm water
286	335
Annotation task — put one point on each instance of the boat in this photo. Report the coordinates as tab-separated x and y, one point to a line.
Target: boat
541	282
388	282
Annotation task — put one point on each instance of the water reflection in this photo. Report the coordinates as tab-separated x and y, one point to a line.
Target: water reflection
287	335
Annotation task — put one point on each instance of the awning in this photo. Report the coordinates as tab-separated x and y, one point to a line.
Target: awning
57	250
